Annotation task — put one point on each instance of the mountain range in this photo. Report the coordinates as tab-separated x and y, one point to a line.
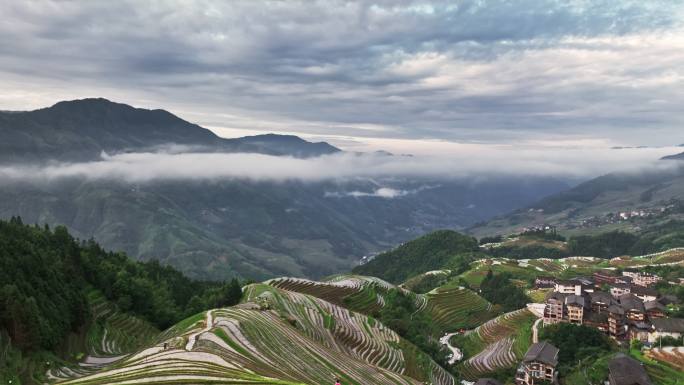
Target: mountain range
219	228
630	201
81	130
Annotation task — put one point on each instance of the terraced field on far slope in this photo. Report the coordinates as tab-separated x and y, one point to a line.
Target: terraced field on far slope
496	344
453	307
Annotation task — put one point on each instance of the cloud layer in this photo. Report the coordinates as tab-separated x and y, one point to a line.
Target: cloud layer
473	162
473	71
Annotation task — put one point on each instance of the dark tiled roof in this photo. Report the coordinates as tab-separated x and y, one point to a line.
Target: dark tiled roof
669	324
556	295
654	305
601	297
597	317
616	309
631	302
542	352
586	281
576	300
487	381
627	371
640	290
641	325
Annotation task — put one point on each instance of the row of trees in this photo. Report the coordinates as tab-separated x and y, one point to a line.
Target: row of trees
45	275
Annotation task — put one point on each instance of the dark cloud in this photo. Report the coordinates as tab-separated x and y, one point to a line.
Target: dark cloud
464	71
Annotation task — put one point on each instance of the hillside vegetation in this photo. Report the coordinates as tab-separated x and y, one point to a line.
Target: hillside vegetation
429	252
46	278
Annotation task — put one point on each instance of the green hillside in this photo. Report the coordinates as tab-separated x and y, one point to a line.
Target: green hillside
429	252
57	293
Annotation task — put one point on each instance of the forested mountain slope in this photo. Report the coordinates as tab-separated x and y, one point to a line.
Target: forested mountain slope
47	280
626	201
430	252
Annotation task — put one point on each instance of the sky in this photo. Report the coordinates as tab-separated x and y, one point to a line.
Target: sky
403	76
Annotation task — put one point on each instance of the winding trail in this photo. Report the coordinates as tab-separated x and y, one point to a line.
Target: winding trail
456	354
192	339
535	330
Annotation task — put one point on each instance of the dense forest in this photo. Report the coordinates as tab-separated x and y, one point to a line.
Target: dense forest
577	342
45	273
429	252
498	289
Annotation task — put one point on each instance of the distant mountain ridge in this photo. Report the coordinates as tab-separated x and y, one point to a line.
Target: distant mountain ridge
218	228
647	197
679	156
80	130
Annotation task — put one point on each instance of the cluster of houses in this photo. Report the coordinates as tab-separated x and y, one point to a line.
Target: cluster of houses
540	362
629	309
621	216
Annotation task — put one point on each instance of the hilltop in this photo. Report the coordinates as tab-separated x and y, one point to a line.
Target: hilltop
80	130
426	253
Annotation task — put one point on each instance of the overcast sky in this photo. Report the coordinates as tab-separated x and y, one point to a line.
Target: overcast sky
398	75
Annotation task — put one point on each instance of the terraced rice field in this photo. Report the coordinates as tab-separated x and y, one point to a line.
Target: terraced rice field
359	293
501	343
275	337
355	292
547	265
673	356
110	337
412	282
667	257
453	308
